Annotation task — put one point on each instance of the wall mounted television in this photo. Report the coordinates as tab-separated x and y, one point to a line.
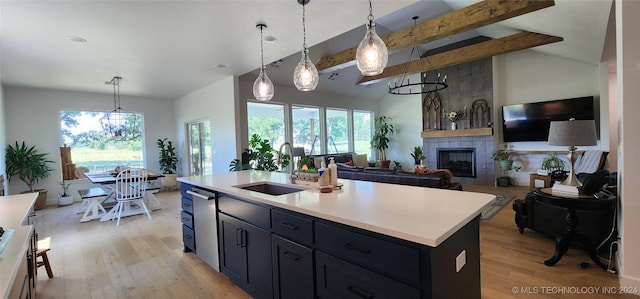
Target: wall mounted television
530	121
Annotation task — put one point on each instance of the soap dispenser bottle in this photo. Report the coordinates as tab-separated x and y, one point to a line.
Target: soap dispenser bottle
334	172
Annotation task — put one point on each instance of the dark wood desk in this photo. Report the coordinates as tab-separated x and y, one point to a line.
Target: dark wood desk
575	203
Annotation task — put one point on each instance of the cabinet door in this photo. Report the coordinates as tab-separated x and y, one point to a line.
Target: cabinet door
233	258
292	269
259	270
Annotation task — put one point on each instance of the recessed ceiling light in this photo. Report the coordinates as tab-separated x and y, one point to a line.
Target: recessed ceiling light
270	39
219	66
77	39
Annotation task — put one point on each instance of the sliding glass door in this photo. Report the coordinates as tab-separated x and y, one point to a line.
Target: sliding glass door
199	141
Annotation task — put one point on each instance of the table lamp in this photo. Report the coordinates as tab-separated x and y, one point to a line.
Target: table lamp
572	133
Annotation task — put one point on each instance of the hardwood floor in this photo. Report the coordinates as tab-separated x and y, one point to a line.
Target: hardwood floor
143	258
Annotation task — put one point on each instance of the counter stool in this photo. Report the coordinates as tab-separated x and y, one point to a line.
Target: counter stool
45	261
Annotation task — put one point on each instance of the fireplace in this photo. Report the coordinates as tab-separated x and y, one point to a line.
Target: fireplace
460	161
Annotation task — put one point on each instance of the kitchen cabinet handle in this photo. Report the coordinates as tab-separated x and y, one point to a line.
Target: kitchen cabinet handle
239	237
187	237
244	238
291	255
359	292
186	205
196	194
185	219
289	226
357	249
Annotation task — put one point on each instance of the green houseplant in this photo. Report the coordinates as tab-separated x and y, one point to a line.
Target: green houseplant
31	166
417	154
64	199
554	165
380	139
503	157
168	161
259	156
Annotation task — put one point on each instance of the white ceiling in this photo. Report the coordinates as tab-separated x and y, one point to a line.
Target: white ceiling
167	49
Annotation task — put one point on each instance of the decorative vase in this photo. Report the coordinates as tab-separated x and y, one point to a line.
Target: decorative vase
454	125
506	164
423	165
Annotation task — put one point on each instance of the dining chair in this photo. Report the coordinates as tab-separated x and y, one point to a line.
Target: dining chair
130	188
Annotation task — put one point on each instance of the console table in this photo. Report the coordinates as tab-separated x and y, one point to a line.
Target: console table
573	203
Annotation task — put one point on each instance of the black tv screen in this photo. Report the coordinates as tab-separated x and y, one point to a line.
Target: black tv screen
530	122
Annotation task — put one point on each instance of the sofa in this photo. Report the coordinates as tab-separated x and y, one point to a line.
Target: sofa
356	167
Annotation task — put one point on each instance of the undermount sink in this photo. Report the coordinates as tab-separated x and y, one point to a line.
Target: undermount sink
270	188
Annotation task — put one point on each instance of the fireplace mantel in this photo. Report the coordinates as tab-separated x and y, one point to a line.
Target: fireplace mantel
457	133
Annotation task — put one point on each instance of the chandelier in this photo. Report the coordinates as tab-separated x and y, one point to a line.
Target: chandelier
430	80
119	124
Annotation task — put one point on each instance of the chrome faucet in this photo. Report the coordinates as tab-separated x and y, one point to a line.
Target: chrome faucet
292	176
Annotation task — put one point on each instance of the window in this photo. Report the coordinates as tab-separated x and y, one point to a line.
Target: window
362	132
93	147
266	120
199	140
306	129
337	131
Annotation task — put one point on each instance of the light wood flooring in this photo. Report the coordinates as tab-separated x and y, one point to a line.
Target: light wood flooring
143	258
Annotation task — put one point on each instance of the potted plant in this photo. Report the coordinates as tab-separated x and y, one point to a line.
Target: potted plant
31	166
554	166
168	163
418	155
64	199
380	139
259	156
503	157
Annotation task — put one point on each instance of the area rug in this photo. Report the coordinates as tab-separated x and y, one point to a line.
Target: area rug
496	206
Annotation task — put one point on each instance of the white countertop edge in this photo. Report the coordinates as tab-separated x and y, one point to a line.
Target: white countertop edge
263	199
14	210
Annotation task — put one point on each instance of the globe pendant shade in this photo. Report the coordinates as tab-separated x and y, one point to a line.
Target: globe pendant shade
372	54
263	87
305	76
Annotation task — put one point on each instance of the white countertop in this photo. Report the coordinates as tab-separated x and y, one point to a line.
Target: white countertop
423	215
14	210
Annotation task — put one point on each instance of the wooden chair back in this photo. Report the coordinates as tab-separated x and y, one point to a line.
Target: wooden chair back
131	183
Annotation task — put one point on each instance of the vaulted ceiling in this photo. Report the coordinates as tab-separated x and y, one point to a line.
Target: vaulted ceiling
166	49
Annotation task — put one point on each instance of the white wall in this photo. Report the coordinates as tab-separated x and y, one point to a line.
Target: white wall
34	117
218	104
406	114
3	136
628	89
529	76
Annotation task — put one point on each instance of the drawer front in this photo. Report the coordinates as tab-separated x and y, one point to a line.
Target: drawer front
293	227
187	219
189	238
381	255
183	190
339	279
187	205
252	213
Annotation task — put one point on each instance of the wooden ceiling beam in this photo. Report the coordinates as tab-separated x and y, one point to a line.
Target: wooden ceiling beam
511	43
471	17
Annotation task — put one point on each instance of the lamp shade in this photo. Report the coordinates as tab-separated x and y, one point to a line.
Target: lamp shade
573	133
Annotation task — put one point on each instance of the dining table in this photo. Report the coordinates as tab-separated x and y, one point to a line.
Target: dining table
97	206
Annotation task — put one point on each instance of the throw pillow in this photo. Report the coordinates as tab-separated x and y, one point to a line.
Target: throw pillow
360	160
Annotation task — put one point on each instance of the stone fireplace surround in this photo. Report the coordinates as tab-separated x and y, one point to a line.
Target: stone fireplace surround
483	145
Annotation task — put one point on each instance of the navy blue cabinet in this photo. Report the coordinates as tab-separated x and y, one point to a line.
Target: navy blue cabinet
186	215
293	275
245	248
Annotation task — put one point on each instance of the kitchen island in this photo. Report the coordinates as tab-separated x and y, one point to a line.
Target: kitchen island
362	240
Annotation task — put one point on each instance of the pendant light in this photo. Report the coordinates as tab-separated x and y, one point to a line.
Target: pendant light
262	87
372	54
119	123
305	76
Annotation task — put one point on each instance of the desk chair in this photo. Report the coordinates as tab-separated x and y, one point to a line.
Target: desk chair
130	187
